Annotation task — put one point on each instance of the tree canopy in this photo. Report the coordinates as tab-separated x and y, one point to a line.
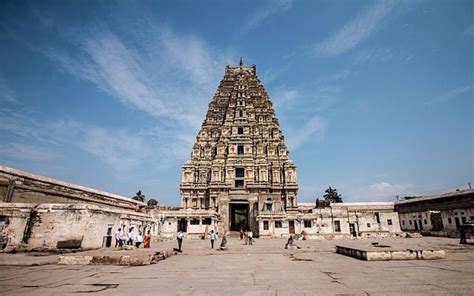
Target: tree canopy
152	202
332	195
139	196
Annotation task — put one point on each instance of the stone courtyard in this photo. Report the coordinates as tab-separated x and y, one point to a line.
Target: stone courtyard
264	268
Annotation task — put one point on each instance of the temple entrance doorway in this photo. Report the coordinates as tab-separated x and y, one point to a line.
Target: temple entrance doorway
182	225
291	226
239	216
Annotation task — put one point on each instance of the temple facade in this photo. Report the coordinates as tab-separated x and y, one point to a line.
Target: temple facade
239	171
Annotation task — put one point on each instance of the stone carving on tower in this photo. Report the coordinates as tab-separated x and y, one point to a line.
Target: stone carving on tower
239	165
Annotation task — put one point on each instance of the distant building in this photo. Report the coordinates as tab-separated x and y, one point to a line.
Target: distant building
440	214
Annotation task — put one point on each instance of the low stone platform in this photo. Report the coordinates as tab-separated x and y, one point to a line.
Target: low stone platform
375	251
114	257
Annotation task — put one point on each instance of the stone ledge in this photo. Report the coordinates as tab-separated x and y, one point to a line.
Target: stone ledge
130	259
387	255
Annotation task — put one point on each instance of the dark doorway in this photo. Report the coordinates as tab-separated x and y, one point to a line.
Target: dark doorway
456	220
436	221
291	226
352	229
239	216
416	224
420	224
182	225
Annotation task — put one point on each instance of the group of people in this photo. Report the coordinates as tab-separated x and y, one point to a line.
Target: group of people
132	238
247	235
213	236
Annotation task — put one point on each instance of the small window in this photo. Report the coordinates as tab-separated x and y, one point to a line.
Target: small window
307	223
239	183
269	206
240	130
240	149
403	222
206	221
450	220
410	222
425	221
389	221
368	225
241	113
278	224
239	172
337	226
265	225
194	221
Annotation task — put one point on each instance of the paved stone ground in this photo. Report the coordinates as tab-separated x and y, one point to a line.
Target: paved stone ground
262	269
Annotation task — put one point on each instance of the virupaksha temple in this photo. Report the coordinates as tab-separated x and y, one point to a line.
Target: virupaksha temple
239	176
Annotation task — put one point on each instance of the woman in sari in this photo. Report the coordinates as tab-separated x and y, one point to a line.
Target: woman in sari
147	240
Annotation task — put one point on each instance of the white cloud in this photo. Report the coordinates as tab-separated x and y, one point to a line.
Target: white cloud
274	7
6	94
381	191
120	149
451	94
166	75
469	30
149	74
314	127
381	55
284	97
26	152
354	32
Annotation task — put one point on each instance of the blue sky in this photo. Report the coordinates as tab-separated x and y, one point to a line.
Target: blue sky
374	98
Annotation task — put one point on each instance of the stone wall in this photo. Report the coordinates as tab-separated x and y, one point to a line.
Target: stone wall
22	187
335	221
42	226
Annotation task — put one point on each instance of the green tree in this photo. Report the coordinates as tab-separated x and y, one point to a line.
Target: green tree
152	202
139	196
332	195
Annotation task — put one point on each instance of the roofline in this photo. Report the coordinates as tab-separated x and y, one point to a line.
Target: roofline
20	173
436	196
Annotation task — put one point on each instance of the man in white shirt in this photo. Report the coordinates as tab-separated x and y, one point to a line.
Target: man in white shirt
138	240
118	238
180	237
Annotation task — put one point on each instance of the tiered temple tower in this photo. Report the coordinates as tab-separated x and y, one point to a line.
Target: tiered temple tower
239	165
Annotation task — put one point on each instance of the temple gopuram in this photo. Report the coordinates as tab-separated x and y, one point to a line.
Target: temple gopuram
239	166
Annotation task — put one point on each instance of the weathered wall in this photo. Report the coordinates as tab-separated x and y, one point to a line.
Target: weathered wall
437	214
321	222
22	187
51	223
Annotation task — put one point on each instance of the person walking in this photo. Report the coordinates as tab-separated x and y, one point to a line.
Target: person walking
118	238
130	236
213	237
250	237
138	240
180	237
